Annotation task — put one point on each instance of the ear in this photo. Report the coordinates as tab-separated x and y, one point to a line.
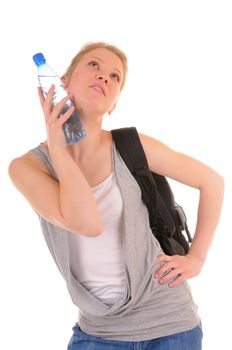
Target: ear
64	80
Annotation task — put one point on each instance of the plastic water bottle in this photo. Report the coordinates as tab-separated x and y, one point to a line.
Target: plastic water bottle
73	128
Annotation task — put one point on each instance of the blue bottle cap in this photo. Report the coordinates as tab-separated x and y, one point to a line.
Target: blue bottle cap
39	59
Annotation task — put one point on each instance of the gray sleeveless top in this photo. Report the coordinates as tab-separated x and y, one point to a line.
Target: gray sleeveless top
147	310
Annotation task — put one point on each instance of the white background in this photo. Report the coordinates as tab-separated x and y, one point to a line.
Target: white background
178	90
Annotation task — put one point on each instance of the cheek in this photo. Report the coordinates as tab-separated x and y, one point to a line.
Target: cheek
76	79
75	87
115	93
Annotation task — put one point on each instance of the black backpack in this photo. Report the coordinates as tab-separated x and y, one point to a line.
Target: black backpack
167	218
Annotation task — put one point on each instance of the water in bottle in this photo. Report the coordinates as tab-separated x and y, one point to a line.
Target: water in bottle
73	127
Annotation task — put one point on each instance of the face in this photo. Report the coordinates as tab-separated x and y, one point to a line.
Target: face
96	80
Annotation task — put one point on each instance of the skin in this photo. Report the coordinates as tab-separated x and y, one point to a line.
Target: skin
88	162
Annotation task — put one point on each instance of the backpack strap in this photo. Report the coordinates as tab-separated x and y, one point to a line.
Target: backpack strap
130	148
128	144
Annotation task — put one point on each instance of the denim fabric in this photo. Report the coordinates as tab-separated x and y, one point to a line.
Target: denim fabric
189	340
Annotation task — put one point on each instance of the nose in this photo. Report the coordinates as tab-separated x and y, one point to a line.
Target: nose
102	77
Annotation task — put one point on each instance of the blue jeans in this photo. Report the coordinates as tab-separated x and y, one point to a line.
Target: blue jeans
189	340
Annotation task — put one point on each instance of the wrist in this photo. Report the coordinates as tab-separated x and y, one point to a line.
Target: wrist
197	256
58	150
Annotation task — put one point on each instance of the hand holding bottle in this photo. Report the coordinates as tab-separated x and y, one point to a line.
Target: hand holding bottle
54	118
72	127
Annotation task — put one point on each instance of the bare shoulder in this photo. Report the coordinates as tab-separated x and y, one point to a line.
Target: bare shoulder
31	177
26	165
155	150
175	164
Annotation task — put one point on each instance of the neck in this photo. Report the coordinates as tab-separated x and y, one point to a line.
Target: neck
88	146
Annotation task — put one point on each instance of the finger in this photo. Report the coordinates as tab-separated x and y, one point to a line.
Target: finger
65	116
178	281
163	258
60	105
173	273
41	96
47	104
58	110
51	91
163	270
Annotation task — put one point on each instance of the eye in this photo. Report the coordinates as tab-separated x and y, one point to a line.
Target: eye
93	64
116	77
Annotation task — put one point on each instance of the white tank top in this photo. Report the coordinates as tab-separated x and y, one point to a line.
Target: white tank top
97	262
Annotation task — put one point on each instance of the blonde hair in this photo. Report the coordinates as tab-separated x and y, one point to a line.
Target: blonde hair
95	45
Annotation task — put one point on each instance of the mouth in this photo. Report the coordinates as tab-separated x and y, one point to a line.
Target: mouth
98	88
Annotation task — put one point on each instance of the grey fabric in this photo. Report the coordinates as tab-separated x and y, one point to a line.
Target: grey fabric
148	310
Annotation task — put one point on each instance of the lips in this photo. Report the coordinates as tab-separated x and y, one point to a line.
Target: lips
98	88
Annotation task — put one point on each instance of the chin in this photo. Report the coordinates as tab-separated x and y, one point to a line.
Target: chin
89	107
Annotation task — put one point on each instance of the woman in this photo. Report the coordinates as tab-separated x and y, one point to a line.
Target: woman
129	293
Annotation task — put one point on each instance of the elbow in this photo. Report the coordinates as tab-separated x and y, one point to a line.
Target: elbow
94	231
90	230
84	225
222	184
215	184
219	183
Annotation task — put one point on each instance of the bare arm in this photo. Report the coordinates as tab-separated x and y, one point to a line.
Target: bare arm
70	206
193	173
77	203
68	203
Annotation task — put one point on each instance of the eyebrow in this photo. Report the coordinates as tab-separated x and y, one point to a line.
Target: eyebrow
100	59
